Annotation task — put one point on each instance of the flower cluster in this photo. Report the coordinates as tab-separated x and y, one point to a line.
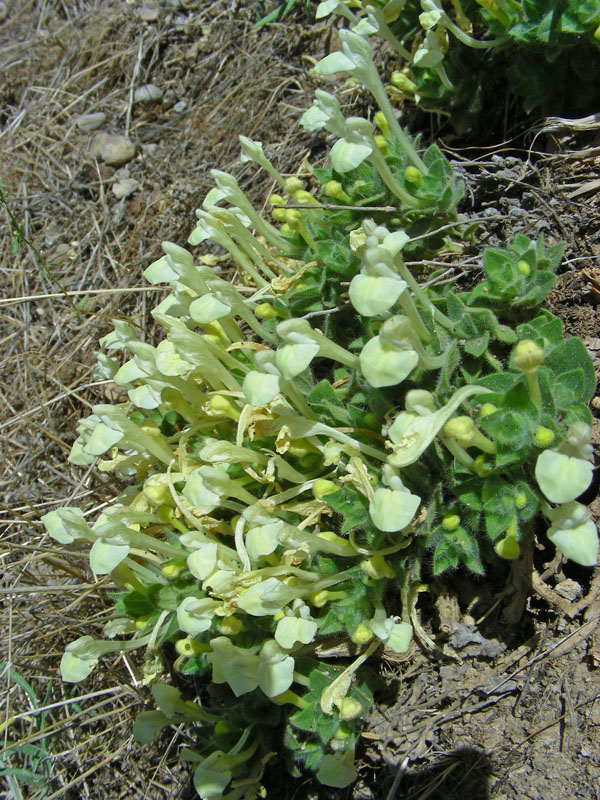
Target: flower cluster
279	475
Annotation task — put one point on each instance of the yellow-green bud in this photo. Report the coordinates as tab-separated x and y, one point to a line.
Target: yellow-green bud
377	567
267	311
521	500
350	709
450	522
190	647
216	329
362	635
335	190
230	625
371	421
381	143
508	548
487	409
463	430
222	728
344	731
480	466
413	175
524	268
278	214
323	596
220	404
173	569
382	123
276	200
401	81
293	217
304	198
141	622
293	185
528	355
543	437
322	487
286	230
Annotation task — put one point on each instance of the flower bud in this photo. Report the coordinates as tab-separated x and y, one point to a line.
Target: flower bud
267	311
543	437
450	522
413	175
508	548
276	200
278	213
381	143
293	185
324	596
521	500
230	625
173	568
480	466
350	709
528	355
524	268
362	635
382	123
323	487
304	198
401	81
335	190
487	409
377	568
220	404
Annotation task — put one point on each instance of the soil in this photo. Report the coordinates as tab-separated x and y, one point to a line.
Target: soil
514	713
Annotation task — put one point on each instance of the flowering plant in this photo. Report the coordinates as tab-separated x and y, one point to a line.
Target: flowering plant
329	429
454	55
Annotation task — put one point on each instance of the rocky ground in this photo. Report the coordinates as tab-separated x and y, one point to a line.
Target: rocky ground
112	115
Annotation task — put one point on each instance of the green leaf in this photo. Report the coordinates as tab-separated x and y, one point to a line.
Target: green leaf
327	405
571	354
352	506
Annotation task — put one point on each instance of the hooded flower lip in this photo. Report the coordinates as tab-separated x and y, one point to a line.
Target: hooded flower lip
574	533
562	478
392	510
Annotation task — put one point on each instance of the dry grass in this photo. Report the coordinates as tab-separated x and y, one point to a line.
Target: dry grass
78	264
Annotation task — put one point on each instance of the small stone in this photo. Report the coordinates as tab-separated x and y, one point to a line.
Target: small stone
569	589
180	106
98	142
125	188
121	174
117	150
149	14
147	94
90	122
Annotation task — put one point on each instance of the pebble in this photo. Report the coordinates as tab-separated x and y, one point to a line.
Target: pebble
180	106
125	188
149	14
117	150
90	122
147	94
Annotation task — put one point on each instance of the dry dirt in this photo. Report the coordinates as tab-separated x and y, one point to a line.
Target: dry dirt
515	715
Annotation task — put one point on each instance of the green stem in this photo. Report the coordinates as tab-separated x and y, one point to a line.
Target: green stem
376	158
534	389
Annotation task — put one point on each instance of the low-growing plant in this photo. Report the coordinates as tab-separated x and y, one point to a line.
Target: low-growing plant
304	448
457	57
